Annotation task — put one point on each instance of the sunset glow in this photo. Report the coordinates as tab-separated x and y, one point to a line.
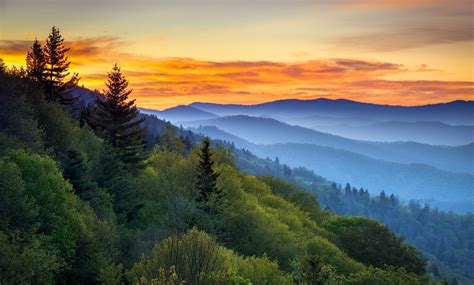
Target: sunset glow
179	52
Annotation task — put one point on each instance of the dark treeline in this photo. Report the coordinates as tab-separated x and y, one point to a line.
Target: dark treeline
87	200
447	238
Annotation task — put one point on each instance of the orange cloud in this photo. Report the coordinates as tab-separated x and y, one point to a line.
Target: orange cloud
166	82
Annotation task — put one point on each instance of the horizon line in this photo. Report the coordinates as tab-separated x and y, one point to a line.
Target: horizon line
295	99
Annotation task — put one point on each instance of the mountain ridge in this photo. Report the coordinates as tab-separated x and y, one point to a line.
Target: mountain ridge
409	181
269	131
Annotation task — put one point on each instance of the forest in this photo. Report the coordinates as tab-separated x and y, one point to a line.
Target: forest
92	195
446	238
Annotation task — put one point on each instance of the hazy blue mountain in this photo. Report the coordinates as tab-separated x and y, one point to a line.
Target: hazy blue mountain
435	133
180	113
456	112
443	189
270	131
217	134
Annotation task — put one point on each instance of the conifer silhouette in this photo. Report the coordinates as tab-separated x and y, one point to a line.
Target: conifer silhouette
208	193
56	70
116	119
36	62
75	171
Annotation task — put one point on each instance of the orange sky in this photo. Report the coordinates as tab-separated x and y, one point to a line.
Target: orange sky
176	52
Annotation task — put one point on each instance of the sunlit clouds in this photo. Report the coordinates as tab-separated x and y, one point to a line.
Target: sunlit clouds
177	52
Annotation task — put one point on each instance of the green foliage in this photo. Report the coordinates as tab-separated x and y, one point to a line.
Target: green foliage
310	269
261	270
305	201
373	244
120	223
209	197
116	120
58	215
75	170
196	258
110	174
170	141
18	123
389	276
27	261
444	237
17	208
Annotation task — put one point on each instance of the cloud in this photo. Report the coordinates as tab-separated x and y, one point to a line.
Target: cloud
409	37
164	82
12	47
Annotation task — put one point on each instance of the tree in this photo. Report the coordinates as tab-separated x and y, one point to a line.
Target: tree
195	258
170	140
2	65
36	62
207	179
374	244
75	171
56	69
116	120
311	270
110	175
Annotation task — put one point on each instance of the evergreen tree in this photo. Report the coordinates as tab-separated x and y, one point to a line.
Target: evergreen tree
35	62
2	65
116	120
75	171
207	177
56	69
110	174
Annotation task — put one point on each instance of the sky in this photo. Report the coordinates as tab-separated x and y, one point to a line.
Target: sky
397	52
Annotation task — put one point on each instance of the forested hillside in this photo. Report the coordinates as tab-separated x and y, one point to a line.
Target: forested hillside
446	238
87	200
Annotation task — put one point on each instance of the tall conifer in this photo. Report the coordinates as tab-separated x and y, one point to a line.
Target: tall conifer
207	179
56	69
75	171
35	62
116	119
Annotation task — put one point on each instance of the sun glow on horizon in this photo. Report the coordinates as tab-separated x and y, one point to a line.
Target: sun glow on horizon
264	53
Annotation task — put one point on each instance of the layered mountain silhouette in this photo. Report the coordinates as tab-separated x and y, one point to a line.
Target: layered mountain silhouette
270	131
422	152
444	189
455	113
424	132
180	113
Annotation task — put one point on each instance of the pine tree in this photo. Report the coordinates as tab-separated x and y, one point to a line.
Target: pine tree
207	180
75	171
110	174
56	69
36	62
116	120
2	65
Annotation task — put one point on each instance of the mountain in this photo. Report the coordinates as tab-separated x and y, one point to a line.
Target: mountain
443	189
270	131
456	112
435	133
180	113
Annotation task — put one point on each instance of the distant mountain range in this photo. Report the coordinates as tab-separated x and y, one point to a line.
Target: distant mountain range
424	132
443	189
422	152
270	131
180	113
438	124
456	112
